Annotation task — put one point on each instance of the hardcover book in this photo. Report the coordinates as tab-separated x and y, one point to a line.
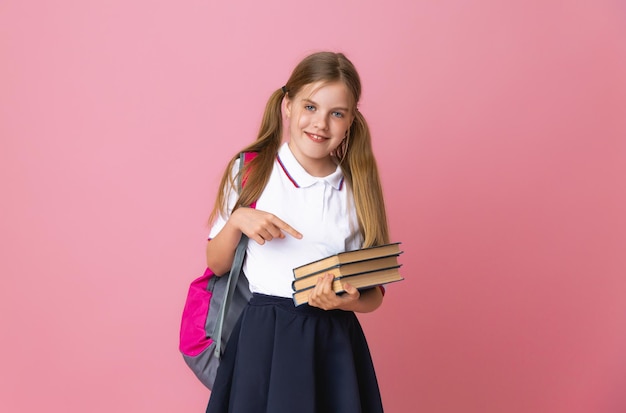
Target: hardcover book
360	281
347	257
363	268
340	271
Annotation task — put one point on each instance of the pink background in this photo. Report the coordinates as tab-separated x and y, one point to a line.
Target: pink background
500	129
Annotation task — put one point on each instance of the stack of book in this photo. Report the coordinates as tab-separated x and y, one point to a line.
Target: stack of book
363	268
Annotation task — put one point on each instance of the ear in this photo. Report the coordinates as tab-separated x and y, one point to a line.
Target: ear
287	106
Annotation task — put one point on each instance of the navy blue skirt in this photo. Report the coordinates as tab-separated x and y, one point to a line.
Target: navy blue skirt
286	359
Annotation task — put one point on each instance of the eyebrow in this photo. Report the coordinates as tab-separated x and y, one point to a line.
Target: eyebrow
316	104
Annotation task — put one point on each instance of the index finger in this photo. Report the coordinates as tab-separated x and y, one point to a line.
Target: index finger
287	228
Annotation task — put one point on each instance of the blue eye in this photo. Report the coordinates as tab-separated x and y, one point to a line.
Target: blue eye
338	114
309	107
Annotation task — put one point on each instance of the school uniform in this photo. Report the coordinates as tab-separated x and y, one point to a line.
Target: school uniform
286	359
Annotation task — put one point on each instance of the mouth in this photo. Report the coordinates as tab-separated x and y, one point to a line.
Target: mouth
316	138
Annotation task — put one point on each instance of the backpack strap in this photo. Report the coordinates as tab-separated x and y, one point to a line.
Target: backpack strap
244	159
235	269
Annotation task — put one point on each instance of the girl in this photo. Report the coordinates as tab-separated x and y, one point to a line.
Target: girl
316	195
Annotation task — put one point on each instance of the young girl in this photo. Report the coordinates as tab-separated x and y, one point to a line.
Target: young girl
316	195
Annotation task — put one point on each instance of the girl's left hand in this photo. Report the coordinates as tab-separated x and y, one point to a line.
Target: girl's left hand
325	298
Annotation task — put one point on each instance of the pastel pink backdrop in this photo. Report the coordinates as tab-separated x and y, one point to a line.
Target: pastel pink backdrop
500	130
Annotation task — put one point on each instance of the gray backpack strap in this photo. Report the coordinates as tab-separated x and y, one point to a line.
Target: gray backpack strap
233	276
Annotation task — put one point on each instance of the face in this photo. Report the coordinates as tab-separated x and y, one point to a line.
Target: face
319	118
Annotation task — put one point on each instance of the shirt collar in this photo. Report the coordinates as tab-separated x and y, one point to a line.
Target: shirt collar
299	176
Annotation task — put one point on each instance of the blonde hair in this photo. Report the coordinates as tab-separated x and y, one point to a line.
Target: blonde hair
358	162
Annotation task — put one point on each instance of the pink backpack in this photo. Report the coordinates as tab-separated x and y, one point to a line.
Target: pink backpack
212	308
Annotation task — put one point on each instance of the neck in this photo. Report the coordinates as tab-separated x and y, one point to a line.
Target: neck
313	166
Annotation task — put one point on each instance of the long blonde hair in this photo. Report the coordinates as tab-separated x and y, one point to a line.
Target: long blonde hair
358	162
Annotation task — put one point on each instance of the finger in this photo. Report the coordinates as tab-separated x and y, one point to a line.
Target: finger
325	283
317	290
267	235
329	283
351	290
320	289
287	228
258	239
274	232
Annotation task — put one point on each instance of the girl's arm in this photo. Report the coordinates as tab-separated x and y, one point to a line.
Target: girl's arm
325	298
259	226
220	250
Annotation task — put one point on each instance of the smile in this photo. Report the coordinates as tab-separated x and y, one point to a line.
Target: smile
316	138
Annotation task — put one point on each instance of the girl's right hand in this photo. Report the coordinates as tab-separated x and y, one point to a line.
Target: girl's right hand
261	226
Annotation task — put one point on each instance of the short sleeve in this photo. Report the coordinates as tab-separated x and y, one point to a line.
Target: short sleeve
220	220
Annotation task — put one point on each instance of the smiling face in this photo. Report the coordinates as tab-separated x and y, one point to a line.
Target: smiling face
319	117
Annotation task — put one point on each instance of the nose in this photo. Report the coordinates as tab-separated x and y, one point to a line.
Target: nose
321	122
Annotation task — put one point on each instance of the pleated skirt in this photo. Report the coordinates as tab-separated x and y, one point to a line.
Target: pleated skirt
286	359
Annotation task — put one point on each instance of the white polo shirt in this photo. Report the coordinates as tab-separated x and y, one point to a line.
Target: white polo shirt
321	209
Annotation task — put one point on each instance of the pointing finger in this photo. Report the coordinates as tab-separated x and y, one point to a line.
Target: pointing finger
287	228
